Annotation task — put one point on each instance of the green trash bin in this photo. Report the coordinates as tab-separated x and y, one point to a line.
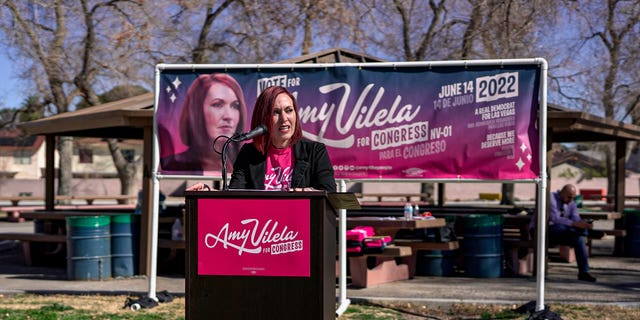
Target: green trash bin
631	220
88	247
435	263
579	200
124	245
482	245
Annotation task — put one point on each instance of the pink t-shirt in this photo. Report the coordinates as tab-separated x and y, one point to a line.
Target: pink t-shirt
279	169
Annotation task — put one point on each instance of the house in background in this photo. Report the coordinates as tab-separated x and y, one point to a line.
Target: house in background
22	164
568	163
92	158
21	157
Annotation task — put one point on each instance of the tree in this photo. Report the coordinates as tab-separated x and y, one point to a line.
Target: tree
67	48
610	31
406	29
504	29
127	170
73	49
442	30
31	108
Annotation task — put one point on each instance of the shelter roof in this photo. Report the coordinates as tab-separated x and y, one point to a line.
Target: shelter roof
124	119
334	55
577	126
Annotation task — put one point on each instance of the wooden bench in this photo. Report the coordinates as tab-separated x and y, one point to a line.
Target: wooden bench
567	253
171	244
490	196
165	225
26	238
378	268
119	198
406	197
518	246
14	212
519	249
417	245
15	200
20	213
519	255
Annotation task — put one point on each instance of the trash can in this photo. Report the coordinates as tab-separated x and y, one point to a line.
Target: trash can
631	220
579	200
88	247
124	245
482	245
435	263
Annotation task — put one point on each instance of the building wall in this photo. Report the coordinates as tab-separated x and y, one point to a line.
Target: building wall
9	164
29	177
13	164
102	162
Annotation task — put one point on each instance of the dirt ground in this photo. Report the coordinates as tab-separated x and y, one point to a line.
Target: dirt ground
114	305
476	311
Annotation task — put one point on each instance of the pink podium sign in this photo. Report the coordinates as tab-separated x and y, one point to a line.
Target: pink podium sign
254	237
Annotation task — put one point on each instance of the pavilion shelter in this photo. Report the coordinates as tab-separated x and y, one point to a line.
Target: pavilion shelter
132	118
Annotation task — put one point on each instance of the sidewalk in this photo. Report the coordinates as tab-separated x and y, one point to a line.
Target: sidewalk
618	282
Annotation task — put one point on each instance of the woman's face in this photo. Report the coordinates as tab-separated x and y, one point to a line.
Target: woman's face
221	110
283	121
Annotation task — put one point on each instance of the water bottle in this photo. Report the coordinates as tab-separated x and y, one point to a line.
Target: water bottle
176	230
416	210
408	211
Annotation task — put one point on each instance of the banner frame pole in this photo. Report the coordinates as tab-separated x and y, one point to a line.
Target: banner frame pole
343	300
542	189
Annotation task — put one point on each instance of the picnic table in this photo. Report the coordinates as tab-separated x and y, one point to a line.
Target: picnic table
89	199
516	236
386	267
20	204
50	229
61	215
600	215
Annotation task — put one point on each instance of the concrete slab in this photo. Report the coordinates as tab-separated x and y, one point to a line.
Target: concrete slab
618	282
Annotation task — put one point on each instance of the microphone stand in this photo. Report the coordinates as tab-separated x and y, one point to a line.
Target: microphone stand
261	129
224	164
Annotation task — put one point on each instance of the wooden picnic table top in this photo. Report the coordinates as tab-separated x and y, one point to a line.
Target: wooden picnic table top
600	215
15	200
395	222
63	214
594	215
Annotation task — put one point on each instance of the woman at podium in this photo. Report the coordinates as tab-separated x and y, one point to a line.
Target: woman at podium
280	159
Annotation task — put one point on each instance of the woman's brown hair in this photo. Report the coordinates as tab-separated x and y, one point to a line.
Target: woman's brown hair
262	113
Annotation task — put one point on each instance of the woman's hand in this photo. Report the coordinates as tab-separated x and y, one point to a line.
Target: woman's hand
305	189
199	187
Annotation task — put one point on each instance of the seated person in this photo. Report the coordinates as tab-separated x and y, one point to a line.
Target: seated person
567	228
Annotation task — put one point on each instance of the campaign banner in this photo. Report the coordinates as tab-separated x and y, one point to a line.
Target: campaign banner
254	237
378	121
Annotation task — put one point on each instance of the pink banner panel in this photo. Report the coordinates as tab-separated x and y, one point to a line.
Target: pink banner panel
377	121
254	237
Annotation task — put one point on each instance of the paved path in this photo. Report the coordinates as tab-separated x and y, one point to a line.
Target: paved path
618	282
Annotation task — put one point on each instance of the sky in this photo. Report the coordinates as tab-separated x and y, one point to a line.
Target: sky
9	89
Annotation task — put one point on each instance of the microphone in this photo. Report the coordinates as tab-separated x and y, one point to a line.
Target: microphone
257	131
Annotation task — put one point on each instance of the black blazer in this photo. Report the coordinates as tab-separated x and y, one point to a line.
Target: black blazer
312	167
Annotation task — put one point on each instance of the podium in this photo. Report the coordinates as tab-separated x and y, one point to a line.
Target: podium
260	255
